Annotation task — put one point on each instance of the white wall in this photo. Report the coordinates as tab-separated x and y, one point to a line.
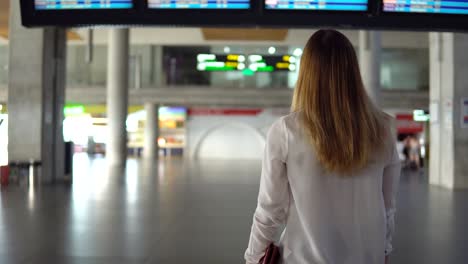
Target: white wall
229	136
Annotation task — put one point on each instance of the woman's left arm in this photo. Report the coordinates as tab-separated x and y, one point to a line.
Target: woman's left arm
273	198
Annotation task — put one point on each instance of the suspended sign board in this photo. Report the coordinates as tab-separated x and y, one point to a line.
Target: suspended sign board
421	116
325	5
440	15
421	6
248	64
259	63
212	62
71	13
199	4
82	4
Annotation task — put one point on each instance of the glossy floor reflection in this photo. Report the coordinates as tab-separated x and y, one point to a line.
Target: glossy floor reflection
178	212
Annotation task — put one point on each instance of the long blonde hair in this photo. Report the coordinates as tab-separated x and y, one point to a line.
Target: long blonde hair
337	115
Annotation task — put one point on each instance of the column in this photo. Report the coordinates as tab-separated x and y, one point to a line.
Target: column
117	96
369	59
151	149
157	73
36	92
448	166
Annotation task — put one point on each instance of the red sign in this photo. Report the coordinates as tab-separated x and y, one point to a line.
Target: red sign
406	125
4	174
223	111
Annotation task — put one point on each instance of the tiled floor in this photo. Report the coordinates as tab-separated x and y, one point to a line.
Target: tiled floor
179	212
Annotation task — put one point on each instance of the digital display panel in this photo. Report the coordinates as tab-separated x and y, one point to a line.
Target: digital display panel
330	5
82	4
213	62
247	64
270	63
420	6
199	4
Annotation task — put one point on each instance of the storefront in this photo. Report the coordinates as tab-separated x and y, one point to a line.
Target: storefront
172	131
86	126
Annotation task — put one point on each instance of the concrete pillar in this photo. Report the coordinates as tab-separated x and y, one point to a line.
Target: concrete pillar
36	92
448	92
117	96
158	77
151	148
369	59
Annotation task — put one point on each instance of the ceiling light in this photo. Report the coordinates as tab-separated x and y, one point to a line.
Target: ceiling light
271	50
297	52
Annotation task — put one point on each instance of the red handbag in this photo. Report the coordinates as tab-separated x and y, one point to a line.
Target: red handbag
272	255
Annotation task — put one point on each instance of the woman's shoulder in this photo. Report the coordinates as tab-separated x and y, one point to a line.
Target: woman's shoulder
285	123
290	120
390	137
390	131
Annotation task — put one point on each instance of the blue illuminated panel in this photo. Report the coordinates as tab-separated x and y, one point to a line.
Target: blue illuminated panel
82	4
413	6
330	5
199	4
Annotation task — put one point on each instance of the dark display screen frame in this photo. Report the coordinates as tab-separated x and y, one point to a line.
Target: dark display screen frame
140	14
315	18
200	16
76	17
82	8
369	8
420	21
423	13
147	2
257	16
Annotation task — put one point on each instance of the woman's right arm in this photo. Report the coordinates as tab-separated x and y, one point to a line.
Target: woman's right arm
273	197
391	179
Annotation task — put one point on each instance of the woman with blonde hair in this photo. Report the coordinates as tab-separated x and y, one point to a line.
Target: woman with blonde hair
330	170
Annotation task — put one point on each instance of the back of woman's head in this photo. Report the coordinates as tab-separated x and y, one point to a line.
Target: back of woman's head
336	113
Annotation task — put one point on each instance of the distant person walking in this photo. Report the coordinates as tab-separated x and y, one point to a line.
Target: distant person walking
330	170
414	150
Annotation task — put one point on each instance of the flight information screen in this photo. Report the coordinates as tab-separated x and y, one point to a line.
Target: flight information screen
199	4
420	6
331	5
82	4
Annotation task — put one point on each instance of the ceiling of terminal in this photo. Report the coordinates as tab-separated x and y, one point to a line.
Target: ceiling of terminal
4	8
4	16
242	34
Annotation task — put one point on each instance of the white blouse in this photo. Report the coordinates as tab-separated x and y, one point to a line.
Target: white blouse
328	219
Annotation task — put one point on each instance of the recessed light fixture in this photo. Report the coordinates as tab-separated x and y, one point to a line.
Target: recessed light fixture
271	50
297	52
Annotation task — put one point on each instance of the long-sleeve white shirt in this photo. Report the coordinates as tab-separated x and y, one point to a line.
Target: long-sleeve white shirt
328	219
